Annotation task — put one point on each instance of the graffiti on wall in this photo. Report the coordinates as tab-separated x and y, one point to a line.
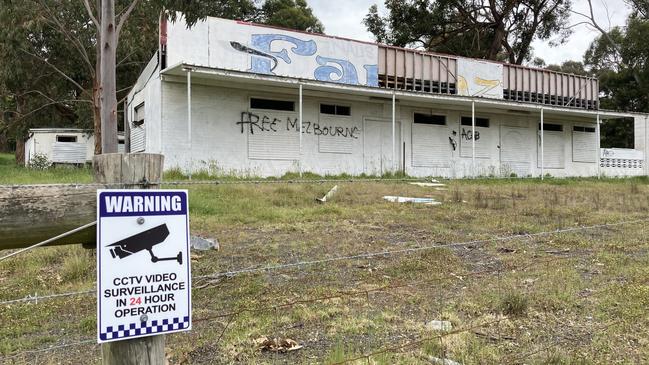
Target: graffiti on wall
251	48
256	123
265	61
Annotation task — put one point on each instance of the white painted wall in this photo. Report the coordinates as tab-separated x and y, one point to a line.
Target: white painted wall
147	92
223	144
247	47
641	134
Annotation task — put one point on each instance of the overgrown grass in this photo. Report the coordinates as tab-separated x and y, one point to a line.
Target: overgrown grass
11	173
572	298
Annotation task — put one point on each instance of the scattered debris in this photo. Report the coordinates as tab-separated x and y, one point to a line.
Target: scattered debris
437	360
558	252
529	281
276	344
505	250
329	195
426	184
437	325
493	338
204	244
404	199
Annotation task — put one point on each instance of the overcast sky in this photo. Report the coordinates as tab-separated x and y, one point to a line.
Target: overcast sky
346	21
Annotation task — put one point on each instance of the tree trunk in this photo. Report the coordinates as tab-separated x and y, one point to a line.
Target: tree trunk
20	150
96	114
108	88
4	142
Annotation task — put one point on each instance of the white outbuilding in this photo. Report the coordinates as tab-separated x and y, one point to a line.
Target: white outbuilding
62	145
239	98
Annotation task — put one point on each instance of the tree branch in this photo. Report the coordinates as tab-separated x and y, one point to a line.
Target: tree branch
123	17
90	14
56	69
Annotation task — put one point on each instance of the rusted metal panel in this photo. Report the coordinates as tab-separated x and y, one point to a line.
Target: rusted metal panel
408	69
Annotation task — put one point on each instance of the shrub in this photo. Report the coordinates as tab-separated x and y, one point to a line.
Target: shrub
39	162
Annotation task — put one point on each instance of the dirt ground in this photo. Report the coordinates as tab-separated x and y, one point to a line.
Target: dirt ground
370	276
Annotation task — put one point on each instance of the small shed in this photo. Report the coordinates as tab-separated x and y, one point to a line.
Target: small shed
63	145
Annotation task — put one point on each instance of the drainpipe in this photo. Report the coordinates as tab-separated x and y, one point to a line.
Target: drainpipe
473	137
599	151
189	119
542	148
299	163
393	131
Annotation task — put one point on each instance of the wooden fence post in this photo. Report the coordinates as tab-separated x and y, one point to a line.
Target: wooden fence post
136	171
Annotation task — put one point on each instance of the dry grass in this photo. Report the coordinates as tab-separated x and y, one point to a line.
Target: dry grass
571	298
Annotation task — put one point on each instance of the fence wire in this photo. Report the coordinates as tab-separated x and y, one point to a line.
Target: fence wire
303	263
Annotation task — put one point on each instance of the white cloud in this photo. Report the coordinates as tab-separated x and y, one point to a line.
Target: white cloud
345	19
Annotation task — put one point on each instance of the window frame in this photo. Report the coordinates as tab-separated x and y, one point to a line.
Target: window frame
335	105
414	113
477	123
75	139
289	100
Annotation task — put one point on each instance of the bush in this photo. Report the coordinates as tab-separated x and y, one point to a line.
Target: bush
39	162
514	304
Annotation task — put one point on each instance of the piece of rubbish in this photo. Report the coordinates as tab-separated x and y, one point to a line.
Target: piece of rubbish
204	244
427	184
437	360
276	344
329	195
436	325
405	199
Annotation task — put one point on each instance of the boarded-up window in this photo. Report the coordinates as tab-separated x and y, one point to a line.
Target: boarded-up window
138	129
584	144
483	138
554	151
336	134
277	138
431	146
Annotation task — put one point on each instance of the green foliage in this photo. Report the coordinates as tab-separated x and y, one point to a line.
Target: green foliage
469	28
294	14
48	53
40	162
514	304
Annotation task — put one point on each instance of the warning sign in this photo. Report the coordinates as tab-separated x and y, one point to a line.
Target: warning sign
143	266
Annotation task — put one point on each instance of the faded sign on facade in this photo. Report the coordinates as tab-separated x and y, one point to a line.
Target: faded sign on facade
264	50
479	78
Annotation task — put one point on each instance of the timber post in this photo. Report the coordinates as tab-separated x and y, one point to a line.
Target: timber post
141	170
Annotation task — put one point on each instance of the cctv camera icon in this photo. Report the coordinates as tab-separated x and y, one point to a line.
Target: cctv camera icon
143	241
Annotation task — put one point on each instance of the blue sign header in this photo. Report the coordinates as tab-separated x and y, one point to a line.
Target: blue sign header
140	203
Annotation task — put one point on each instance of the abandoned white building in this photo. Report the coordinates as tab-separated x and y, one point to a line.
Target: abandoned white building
240	98
63	145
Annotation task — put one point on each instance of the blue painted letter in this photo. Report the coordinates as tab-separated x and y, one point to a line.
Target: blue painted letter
263	43
345	71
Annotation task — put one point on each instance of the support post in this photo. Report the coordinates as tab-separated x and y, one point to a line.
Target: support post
598	147
135	171
127	128
299	162
394	122
473	138
542	148
189	121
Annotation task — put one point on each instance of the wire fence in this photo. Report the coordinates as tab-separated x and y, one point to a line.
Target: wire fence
209	182
364	294
386	253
